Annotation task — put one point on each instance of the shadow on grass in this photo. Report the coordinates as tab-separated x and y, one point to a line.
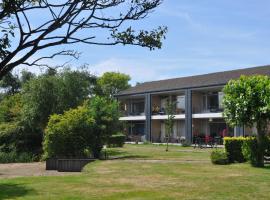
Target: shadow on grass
119	154
127	157
11	191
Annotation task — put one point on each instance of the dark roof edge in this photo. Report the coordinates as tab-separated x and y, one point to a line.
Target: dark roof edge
171	90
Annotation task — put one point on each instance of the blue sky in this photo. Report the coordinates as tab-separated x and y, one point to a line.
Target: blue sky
204	36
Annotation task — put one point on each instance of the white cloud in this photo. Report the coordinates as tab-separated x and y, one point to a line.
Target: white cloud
149	70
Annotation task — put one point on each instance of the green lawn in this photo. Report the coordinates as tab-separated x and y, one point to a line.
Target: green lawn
148	172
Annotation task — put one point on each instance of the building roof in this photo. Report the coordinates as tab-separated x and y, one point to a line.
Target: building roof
212	79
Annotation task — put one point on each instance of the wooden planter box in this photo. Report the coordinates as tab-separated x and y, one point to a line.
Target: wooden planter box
51	164
72	165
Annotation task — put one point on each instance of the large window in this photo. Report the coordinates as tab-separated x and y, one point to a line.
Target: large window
213	101
138	108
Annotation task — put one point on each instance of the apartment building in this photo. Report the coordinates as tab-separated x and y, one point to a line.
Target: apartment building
198	107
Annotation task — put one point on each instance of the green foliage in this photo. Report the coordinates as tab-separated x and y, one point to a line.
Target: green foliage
105	113
117	140
10	108
247	100
10	83
69	134
250	150
8	134
13	157
219	157
54	94
111	83
88	127
233	147
170	106
19	138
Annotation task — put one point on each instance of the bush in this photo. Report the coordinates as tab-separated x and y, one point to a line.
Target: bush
233	148
250	148
13	157
68	135
105	112
219	157
117	140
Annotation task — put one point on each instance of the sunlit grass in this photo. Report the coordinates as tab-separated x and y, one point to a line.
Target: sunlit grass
147	172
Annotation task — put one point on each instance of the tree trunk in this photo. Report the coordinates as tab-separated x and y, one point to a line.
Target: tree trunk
167	148
260	144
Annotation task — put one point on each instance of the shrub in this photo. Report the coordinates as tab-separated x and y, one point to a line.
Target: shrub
68	135
13	157
250	149
105	112
219	157
233	148
117	140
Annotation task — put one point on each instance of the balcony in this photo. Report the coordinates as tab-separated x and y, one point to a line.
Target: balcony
132	109
207	102
159	103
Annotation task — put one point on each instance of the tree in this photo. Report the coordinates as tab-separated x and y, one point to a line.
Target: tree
247	102
106	115
70	22
111	83
10	83
169	108
53	94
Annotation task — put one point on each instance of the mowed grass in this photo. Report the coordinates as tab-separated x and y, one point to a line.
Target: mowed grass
148	172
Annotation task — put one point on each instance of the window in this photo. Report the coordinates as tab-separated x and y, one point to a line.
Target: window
220	99
138	108
180	102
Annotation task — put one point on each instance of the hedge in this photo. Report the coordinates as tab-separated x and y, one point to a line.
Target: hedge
233	147
242	149
116	140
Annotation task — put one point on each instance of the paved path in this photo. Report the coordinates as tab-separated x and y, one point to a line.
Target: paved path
28	169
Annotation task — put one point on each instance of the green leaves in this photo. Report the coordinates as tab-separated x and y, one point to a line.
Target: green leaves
111	83
151	39
247	100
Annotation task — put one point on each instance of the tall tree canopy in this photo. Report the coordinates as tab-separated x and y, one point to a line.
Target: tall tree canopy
53	94
21	36
247	102
111	83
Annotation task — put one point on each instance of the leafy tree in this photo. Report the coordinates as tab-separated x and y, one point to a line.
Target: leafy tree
63	22
169	108
10	108
10	83
14	134
54	94
247	102
105	113
111	83
26	76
